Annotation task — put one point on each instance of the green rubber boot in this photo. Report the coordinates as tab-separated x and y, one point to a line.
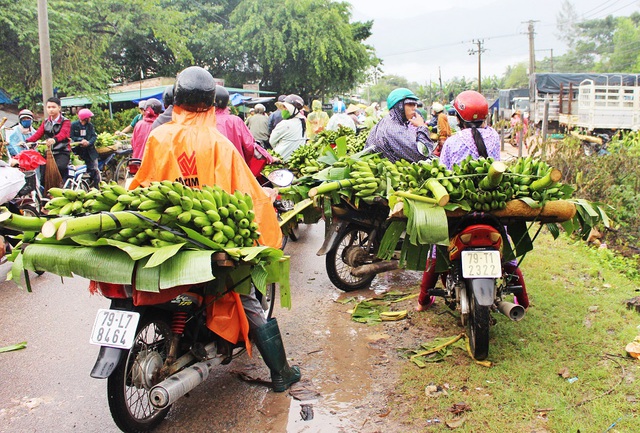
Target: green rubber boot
269	343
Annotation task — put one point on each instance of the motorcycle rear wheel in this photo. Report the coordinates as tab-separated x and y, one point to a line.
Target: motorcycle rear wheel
478	329
338	270
128	398
267	300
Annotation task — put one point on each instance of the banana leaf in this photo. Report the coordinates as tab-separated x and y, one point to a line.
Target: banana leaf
259	277
106	264
261	252
519	233
147	279
186	267
341	146
297	208
163	254
390	239
426	223
135	252
18	346
414	257
241	279
278	272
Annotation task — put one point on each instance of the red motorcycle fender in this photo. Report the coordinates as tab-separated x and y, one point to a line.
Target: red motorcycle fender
332	237
108	360
484	290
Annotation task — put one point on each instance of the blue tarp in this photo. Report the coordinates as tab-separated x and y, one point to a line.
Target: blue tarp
5	99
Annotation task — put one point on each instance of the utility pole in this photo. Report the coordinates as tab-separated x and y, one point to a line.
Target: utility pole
532	70
478	51
551	58
45	53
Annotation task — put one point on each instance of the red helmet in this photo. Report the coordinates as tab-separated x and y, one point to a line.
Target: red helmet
84	114
471	106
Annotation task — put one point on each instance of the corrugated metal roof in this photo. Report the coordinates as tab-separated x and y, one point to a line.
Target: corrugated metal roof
134	96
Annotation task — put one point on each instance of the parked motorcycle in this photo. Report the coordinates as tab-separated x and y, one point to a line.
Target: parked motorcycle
596	145
478	277
152	355
351	244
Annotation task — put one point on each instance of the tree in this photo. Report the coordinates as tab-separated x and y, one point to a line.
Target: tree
626	49
516	76
379	91
93	43
302	46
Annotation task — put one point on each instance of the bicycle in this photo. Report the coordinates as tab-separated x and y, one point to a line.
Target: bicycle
76	179
127	168
108	162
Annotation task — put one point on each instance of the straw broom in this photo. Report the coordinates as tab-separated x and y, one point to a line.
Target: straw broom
52	178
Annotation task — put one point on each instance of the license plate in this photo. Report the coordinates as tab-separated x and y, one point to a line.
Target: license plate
115	328
481	264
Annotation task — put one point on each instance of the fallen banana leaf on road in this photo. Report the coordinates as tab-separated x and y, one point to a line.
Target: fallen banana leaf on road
13	347
373	311
440	348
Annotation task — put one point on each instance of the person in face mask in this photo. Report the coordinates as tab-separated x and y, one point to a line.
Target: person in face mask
290	134
23	130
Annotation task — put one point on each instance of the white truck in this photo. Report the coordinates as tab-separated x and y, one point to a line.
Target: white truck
593	102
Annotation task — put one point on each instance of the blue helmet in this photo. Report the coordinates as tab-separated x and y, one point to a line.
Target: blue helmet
398	95
339	107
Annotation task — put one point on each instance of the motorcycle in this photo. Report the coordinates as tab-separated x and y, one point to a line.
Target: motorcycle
13	181
352	241
596	145
151	355
478	277
281	178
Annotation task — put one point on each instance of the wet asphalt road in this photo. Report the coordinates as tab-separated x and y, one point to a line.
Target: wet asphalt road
47	386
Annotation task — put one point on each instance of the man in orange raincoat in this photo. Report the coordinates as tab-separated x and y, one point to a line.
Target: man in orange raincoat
191	150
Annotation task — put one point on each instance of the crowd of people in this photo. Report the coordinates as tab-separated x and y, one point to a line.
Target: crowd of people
192	136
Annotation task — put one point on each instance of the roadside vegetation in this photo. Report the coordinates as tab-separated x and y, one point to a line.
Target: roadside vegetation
612	179
563	368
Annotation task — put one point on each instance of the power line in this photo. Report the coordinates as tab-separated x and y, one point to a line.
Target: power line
593	15
447	45
600	6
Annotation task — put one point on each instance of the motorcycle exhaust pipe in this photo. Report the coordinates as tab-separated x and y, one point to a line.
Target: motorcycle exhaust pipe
177	385
374	268
172	388
512	311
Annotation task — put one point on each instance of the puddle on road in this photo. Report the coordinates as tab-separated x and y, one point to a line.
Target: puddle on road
347	368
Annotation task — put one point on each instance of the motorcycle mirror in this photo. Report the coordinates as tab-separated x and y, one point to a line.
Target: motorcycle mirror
281	177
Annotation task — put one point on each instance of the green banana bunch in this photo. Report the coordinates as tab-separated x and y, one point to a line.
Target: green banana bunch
226	219
536	179
368	176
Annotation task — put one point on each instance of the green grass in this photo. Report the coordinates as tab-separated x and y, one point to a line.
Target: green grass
577	320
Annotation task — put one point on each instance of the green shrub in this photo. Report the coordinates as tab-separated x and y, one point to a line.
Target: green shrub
612	179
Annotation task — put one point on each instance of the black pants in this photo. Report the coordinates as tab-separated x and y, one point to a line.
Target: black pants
62	161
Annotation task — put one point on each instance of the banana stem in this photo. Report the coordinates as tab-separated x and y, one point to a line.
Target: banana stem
415	197
20	222
103	222
330	186
494	177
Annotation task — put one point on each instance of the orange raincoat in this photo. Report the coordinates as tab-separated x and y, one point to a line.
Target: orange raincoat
190	149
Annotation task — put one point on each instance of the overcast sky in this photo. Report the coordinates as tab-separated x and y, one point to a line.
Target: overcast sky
416	37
